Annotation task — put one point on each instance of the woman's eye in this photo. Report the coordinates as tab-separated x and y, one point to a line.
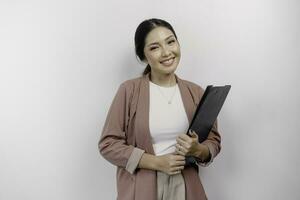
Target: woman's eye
171	41
152	48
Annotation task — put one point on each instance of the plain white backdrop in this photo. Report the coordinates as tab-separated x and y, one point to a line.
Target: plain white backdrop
61	63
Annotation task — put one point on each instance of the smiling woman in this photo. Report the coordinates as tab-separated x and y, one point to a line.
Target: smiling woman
156	44
144	134
162	53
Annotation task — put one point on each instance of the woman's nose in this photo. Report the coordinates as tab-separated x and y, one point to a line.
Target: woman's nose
165	51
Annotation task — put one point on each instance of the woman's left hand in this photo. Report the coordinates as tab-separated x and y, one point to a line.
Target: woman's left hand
186	145
189	146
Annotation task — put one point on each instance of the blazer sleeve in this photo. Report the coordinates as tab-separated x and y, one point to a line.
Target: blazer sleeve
213	142
113	144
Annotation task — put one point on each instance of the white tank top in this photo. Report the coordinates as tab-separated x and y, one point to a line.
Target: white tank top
166	121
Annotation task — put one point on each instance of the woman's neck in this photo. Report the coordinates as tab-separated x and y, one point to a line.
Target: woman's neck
168	80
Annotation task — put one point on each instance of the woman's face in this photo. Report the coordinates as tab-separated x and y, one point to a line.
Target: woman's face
162	51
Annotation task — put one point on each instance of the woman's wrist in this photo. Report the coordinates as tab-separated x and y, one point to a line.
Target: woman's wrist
149	161
202	152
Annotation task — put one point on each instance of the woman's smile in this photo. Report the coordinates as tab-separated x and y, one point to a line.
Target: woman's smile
168	62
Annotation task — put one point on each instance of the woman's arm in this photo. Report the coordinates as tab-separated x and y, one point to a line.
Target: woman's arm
169	163
112	144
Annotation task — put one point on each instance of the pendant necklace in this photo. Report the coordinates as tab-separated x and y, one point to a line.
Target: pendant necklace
168	100
164	96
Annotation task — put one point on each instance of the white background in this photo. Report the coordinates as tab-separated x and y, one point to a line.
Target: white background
61	62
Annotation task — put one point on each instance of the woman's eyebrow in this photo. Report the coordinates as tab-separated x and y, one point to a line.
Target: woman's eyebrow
157	43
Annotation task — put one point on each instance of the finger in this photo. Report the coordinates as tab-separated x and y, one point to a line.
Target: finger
193	133
189	139
182	149
178	146
183	137
179	153
182	142
180	163
180	157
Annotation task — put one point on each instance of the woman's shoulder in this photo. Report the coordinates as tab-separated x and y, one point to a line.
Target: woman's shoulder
130	83
130	86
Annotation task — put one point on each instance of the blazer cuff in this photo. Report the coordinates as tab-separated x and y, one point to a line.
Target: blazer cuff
134	160
211	155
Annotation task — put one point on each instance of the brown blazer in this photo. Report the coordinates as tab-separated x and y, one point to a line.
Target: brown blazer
125	136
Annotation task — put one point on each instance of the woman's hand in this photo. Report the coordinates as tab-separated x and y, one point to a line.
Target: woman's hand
190	146
186	145
171	163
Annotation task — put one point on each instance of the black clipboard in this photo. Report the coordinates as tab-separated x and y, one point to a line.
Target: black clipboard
206	113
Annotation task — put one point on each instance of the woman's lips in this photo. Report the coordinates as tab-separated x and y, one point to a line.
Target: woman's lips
168	62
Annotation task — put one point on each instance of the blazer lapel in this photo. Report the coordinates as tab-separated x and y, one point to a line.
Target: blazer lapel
187	99
143	136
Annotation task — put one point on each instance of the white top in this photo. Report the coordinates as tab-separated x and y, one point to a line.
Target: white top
166	121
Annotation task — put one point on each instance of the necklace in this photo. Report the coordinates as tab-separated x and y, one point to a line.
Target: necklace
164	96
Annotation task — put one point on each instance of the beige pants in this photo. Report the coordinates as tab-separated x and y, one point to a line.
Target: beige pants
170	187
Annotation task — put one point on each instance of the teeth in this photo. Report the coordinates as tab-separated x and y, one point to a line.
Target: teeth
168	61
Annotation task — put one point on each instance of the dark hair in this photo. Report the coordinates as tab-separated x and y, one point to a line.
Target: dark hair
141	33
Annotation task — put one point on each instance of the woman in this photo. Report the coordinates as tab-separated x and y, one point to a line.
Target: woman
144	132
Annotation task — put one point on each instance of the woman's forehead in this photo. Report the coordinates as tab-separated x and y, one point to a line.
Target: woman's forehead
158	34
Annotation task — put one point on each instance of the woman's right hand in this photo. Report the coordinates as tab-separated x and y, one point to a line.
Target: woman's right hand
171	163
